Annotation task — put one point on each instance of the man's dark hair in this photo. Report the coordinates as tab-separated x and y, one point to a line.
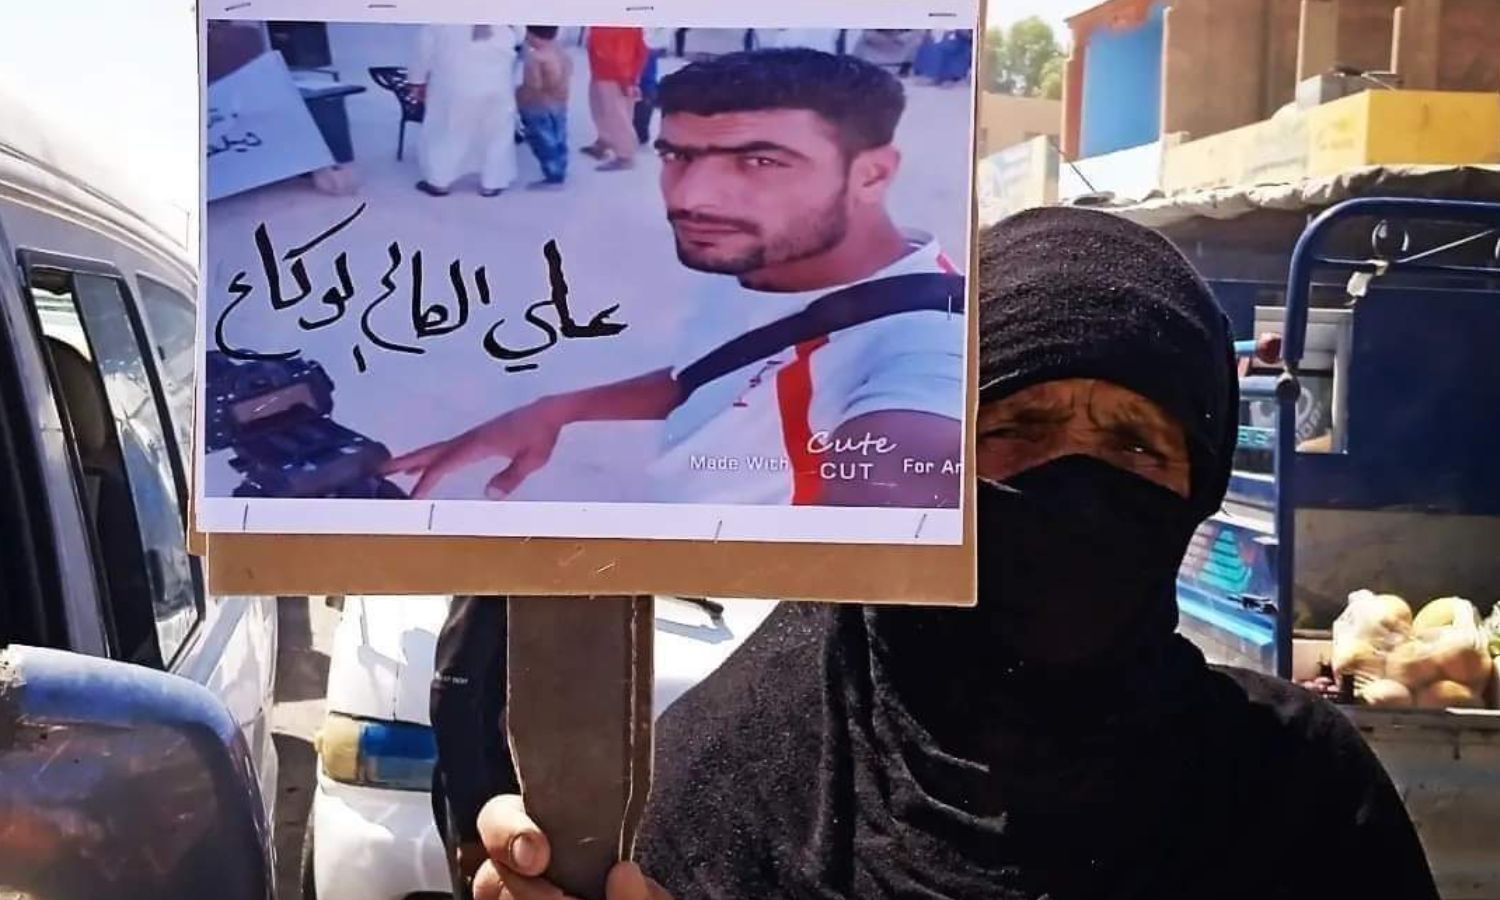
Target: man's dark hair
862	101
545	32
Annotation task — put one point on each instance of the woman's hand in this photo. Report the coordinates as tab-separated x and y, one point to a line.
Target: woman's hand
519	853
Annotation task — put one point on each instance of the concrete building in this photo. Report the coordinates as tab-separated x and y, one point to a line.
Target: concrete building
1018	162
1143	68
1149	78
1005	121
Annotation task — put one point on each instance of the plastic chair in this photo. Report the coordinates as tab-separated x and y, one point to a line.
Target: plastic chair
393	79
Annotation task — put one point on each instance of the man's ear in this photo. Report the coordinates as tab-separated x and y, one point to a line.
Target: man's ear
872	173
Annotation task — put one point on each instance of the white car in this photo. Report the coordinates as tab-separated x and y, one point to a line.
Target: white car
371	835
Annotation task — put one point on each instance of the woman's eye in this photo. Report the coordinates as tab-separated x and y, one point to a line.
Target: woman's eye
1020	434
1138	448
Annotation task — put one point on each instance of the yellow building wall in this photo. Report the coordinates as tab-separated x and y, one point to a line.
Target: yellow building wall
1376	127
1436	127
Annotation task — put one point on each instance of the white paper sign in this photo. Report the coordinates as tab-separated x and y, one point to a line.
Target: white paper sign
618	328
258	130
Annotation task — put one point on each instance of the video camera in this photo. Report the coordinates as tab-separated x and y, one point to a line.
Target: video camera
276	417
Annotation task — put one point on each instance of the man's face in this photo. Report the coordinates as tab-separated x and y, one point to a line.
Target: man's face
749	191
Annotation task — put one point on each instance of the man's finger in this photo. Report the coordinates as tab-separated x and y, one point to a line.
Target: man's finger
433	473
462	451
511	839
417	459
514	475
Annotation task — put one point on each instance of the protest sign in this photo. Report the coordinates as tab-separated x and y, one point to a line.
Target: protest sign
630	295
257	130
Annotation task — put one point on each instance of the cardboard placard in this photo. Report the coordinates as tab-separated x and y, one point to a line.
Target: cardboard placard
734	362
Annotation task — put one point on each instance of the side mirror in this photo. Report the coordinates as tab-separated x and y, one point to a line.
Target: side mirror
122	781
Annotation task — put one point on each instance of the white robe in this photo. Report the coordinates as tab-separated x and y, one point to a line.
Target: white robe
471	104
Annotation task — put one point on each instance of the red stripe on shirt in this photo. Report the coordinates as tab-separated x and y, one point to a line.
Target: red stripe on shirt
794	396
946	264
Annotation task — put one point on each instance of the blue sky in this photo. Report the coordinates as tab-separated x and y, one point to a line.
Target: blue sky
121	74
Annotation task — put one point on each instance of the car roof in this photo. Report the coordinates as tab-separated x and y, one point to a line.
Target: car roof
43	166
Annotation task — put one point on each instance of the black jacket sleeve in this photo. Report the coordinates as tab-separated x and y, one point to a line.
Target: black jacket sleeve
468	711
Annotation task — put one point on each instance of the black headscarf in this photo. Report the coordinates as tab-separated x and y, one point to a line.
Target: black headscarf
1077	293
879	752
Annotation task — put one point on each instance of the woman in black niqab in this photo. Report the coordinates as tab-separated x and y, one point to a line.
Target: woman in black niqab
1059	740
850	752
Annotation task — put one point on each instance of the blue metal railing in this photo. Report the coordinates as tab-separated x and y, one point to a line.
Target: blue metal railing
1285	389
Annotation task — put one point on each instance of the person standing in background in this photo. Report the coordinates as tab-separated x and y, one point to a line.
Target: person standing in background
956	58
658	43
543	101
928	60
945	57
467	712
891	48
466	75
617	57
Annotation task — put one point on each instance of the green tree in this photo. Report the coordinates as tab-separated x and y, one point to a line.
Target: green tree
997	75
1025	60
1052	78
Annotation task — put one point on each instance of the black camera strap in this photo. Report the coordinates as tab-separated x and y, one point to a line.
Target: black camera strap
845	308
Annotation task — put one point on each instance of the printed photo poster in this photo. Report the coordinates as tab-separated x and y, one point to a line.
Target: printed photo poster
645	274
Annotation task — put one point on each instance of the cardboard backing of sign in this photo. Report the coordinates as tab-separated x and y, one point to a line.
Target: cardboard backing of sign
324	564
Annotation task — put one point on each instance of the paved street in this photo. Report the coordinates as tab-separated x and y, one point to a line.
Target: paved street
307	627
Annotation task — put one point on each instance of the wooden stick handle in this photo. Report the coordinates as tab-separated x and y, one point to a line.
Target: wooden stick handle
579	720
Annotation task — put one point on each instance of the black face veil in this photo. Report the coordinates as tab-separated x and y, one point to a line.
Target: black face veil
1077	560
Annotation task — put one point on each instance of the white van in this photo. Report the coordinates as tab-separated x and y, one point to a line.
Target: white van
371	835
97	325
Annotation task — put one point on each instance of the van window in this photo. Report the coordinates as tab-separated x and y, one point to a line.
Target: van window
174	329
129	471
